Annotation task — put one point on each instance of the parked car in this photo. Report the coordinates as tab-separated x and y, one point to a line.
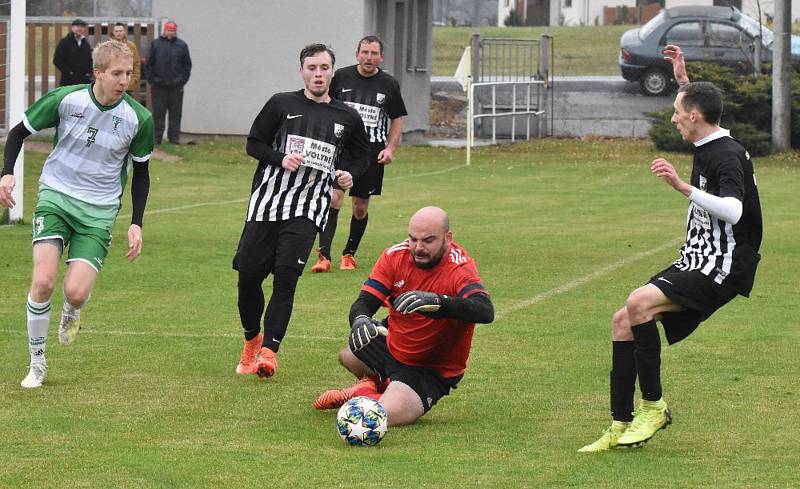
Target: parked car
721	35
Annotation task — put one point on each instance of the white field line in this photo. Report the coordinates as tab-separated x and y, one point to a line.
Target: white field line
427	174
97	329
188	206
239	201
499	315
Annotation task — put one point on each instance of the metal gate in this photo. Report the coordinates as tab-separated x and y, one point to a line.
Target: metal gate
512	79
505	59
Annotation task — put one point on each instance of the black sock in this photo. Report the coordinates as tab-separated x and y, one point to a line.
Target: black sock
251	303
357	228
648	359
279	309
326	237
622	380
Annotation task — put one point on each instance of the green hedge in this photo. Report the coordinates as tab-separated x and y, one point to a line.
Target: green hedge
747	113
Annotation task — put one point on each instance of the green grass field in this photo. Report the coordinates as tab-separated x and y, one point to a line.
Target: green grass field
577	50
562	230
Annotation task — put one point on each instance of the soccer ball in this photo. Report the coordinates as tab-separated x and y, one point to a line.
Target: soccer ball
362	421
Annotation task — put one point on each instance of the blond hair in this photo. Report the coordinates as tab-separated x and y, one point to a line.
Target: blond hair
106	52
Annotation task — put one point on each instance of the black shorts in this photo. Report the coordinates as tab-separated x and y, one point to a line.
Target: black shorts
429	385
699	294
371	182
265	245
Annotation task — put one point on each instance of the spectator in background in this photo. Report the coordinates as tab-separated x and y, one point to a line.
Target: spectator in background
73	56
168	69
120	33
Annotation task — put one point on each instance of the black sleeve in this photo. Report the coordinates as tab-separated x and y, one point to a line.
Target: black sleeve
397	107
357	150
151	61
14	142
477	308
187	66
365	305
140	187
60	58
262	135
731	177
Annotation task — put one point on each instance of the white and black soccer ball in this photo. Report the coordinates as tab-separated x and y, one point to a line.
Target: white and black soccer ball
362	421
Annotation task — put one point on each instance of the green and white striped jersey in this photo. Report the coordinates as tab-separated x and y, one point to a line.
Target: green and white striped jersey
93	144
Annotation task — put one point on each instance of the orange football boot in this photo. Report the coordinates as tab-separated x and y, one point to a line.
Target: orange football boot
334	398
348	263
247	364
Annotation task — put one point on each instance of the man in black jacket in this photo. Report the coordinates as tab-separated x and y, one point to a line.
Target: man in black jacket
73	56
168	69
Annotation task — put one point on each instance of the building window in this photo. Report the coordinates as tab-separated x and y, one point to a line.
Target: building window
567	3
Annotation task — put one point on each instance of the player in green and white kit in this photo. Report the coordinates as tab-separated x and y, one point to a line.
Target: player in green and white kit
100	133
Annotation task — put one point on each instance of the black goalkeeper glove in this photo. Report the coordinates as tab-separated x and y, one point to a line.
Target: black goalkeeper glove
417	301
363	330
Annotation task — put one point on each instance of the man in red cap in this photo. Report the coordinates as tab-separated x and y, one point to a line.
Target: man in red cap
168	69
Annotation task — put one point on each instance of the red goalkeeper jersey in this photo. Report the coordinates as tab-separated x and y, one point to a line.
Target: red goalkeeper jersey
415	339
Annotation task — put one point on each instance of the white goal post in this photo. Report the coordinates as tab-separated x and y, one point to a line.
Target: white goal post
16	95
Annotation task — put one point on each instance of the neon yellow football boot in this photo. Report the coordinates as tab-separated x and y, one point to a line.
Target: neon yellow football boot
649	418
609	438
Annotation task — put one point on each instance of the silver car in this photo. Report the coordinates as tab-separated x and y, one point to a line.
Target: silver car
720	35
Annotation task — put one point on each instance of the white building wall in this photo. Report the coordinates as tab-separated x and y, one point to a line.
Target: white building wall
244	51
749	7
504	7
680	3
585	12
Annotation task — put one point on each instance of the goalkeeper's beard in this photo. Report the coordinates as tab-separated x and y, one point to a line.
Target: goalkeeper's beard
433	260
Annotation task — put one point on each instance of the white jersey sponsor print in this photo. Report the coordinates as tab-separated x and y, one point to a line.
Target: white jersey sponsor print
318	155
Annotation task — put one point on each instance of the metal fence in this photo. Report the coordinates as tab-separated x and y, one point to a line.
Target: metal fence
43	35
527	108
500	67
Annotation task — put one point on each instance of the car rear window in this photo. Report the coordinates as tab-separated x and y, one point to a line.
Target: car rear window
752	28
649	27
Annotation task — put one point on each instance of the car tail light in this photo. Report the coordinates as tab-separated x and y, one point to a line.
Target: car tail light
625	54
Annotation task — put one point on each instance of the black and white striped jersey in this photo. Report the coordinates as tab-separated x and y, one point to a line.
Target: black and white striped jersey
292	123
376	98
725	252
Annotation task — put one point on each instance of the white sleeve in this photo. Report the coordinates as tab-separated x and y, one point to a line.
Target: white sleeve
729	209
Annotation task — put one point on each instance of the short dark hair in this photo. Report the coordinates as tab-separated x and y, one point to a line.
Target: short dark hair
313	50
120	24
79	22
369	40
704	97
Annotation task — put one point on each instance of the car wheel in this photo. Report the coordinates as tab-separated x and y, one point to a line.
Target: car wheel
655	82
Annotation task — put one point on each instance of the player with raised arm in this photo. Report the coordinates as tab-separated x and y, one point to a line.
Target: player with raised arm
717	262
297	138
101	131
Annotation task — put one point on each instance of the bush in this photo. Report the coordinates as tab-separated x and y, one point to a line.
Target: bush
664	135
747	113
